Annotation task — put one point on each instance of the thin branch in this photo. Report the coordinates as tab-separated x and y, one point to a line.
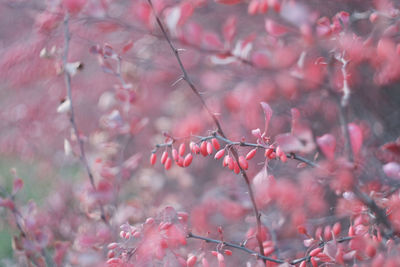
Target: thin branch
229	142
252	252
343	105
184	72
232	245
67	77
216	122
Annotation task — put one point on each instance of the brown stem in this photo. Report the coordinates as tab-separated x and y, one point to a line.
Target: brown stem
343	105
216	122
67	77
252	252
291	155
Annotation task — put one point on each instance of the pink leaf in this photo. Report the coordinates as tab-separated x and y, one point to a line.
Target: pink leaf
262	184
356	138
193	33
268	114
260	59
74	6
229	29
327	143
186	11
295	120
256	133
17	185
127	46
300	139
330	249
288	142
228	2
133	162
7	203
275	29
323	27
392	170
212	40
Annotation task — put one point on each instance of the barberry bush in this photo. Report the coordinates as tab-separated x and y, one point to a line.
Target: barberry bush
200	133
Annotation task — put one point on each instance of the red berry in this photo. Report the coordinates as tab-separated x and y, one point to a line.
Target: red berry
228	252
175	155
302	230
225	161
283	157
314	262
203	149
153	158
230	163
243	163
315	252
236	168
351	231
191	261
164	157
209	148
219	154
251	154
328	232
180	161
168	163
188	160
336	228
182	149
194	148
268	152
215	143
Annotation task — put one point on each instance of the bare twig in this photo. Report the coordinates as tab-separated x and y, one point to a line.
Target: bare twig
380	214
216	122
67	77
242	144
255	253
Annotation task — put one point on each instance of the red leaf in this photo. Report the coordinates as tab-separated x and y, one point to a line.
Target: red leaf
193	33
356	138
229	29
186	11
74	6
327	143
268	114
393	147
7	203
260	59
324	27
127	46
275	29
253	7
17	185
392	170
212	40
228	2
